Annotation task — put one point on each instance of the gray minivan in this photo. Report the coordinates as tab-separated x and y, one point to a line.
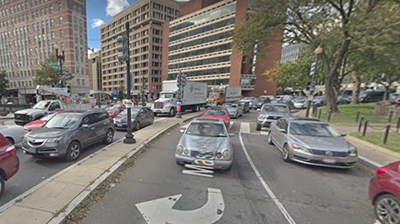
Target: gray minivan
67	133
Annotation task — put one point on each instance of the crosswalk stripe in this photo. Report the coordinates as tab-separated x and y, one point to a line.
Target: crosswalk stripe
244	127
264	132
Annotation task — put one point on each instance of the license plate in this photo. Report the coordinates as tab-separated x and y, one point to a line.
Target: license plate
329	160
119	125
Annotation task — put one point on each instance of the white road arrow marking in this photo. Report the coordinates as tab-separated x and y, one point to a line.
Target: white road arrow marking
160	211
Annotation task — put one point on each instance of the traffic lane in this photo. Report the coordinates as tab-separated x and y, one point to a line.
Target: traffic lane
313	194
155	175
32	171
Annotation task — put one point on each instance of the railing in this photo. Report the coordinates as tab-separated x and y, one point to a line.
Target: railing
7	108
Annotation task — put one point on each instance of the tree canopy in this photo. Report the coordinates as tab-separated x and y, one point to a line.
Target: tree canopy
47	75
3	82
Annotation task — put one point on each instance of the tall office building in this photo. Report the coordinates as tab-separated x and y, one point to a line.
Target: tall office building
290	53
146	19
199	44
96	82
28	31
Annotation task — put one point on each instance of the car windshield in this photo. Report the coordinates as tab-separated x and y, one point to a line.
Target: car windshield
134	112
41	105
206	130
261	99
166	95
114	107
215	112
215	95
63	121
299	100
47	117
313	129
275	108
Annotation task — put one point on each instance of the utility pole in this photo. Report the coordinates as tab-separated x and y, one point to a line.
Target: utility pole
125	57
60	59
181	83
142	90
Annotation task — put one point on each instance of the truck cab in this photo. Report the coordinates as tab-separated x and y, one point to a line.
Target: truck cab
39	110
215	98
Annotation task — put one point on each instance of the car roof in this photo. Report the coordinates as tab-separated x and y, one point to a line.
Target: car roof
276	104
91	111
208	120
292	118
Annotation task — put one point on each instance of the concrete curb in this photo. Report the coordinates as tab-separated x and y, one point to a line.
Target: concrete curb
368	163
86	192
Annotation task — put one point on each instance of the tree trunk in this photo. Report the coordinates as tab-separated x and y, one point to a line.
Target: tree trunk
356	88
330	91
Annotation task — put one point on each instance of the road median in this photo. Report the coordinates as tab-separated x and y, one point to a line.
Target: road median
52	200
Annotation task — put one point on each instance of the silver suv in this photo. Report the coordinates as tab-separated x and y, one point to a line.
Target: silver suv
66	134
270	113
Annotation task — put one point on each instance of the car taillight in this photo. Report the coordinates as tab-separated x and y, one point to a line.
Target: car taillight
11	150
381	170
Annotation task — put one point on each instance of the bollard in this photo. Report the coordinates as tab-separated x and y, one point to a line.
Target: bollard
390	116
365	128
386	134
398	124
361	123
320	112
329	116
357	116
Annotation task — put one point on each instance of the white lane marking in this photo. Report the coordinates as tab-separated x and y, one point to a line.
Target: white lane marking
264	132
244	127
232	122
203	171
265	185
377	222
161	210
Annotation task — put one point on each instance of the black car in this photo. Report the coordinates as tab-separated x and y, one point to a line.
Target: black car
141	117
257	103
371	96
344	99
319	101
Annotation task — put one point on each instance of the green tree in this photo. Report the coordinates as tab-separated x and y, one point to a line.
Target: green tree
48	75
331	24
3	82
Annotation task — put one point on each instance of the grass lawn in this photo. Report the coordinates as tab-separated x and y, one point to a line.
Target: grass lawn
347	114
377	139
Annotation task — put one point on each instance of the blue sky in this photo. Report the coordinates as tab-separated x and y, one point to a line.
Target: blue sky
100	12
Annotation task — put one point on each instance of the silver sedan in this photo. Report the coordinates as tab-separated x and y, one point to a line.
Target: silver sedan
206	142
312	142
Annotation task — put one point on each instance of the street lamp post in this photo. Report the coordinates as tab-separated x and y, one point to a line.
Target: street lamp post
317	52
60	59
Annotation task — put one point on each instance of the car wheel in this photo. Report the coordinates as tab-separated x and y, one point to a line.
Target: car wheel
11	140
258	128
155	114
108	139
270	138
73	151
172	112
2	185
285	153
137	126
387	209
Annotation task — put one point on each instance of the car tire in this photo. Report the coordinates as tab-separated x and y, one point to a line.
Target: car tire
73	151
137	126
389	200
258	128
11	140
108	139
155	114
172	112
2	185
285	153
270	138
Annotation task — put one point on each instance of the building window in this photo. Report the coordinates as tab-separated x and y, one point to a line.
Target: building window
83	82
60	20
61	33
60	6
62	46
78	81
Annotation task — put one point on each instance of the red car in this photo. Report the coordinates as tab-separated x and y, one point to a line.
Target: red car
218	113
115	109
9	162
384	193
39	123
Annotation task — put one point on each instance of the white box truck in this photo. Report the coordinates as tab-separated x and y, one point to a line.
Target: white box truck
194	96
224	94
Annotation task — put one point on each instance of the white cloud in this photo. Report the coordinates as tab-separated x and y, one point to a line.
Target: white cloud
116	6
96	22
89	51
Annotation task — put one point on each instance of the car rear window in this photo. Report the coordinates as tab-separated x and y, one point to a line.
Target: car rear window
215	112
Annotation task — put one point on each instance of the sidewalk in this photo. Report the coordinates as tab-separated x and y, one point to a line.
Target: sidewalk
369	154
53	199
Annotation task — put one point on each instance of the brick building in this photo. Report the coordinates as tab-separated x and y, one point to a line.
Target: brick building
199	44
96	82
28	31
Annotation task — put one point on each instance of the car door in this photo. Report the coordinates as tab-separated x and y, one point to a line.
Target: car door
142	118
88	133
149	115
280	136
274	131
102	122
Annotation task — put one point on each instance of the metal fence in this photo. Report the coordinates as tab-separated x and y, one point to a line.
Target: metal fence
7	108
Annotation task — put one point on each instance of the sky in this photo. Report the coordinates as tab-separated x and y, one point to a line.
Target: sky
100	12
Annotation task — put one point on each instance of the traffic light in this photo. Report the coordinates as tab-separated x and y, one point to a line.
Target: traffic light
68	89
123	48
183	80
179	80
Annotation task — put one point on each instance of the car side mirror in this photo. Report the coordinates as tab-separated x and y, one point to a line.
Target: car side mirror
231	135
84	126
343	134
182	130
258	109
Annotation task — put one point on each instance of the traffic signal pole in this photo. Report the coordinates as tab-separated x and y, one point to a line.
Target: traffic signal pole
126	56
312	87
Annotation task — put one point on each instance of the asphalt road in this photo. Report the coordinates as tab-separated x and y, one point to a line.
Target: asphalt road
280	192
32	171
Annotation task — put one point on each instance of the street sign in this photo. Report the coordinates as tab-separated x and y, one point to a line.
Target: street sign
161	210
54	65
128	103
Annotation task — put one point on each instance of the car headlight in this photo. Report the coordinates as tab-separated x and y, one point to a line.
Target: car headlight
186	151
227	154
300	148
30	117
218	155
353	151
58	139
179	149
